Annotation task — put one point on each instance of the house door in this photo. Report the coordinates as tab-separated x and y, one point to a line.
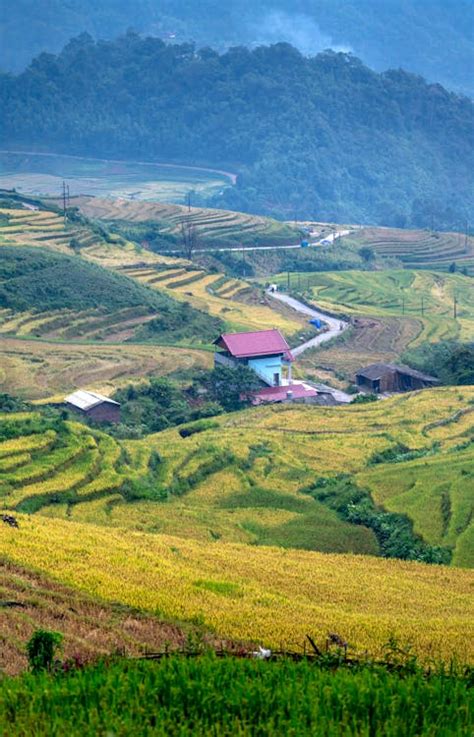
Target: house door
276	379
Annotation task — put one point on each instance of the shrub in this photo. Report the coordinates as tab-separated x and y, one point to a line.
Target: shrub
42	648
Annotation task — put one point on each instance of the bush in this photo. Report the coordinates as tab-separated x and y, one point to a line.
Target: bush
42	648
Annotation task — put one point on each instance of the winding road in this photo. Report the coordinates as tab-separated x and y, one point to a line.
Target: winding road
323	241
335	325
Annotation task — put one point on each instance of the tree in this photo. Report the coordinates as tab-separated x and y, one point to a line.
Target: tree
41	649
452	268
232	388
367	254
189	238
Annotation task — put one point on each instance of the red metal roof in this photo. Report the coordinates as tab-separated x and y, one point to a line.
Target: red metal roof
259	343
280	393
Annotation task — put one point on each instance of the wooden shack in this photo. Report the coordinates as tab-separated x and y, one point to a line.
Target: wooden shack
94	406
379	378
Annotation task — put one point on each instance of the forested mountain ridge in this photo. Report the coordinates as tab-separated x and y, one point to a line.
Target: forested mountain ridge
321	137
430	37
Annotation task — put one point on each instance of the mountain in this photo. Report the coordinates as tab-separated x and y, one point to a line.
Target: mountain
429	37
320	137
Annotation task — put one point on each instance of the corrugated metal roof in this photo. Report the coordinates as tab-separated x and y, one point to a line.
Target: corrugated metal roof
280	393
377	370
258	343
86	400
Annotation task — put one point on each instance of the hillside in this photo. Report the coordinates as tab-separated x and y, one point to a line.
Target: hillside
250	477
90	627
164	222
265	595
429	38
391	310
420	249
38	298
323	136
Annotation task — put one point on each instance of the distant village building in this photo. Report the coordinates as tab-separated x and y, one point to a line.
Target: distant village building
94	406
386	377
266	352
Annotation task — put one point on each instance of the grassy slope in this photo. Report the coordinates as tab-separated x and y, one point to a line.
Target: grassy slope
90	627
268	595
241	480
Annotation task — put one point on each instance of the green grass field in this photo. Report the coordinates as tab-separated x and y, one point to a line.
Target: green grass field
206	696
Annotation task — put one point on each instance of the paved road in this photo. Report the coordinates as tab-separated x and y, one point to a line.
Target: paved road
335	325
331	237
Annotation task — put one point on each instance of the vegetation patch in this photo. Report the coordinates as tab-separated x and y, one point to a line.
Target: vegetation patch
394	532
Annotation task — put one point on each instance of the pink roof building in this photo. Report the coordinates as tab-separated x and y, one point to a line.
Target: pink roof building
255	344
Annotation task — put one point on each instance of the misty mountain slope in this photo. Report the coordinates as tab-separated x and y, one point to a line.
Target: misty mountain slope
431	37
321	137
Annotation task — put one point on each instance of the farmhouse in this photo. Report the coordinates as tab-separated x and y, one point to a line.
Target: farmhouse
386	377
94	406
266	352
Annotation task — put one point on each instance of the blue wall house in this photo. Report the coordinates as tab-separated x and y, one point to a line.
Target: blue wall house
265	351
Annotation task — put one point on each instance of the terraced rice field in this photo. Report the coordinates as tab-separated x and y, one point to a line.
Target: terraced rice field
42	228
214	227
390	310
265	595
240	305
242	480
88	325
89	627
41	369
420	249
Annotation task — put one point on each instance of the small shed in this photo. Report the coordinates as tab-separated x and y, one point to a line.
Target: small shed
387	377
94	406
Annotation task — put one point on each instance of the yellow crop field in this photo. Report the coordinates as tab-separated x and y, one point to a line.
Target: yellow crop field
242	307
265	595
213	227
40	369
244	478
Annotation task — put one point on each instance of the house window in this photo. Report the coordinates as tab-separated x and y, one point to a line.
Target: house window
276	379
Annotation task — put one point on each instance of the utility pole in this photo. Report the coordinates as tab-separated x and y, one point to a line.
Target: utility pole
65	200
422	306
188	200
403	302
288	280
455	306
